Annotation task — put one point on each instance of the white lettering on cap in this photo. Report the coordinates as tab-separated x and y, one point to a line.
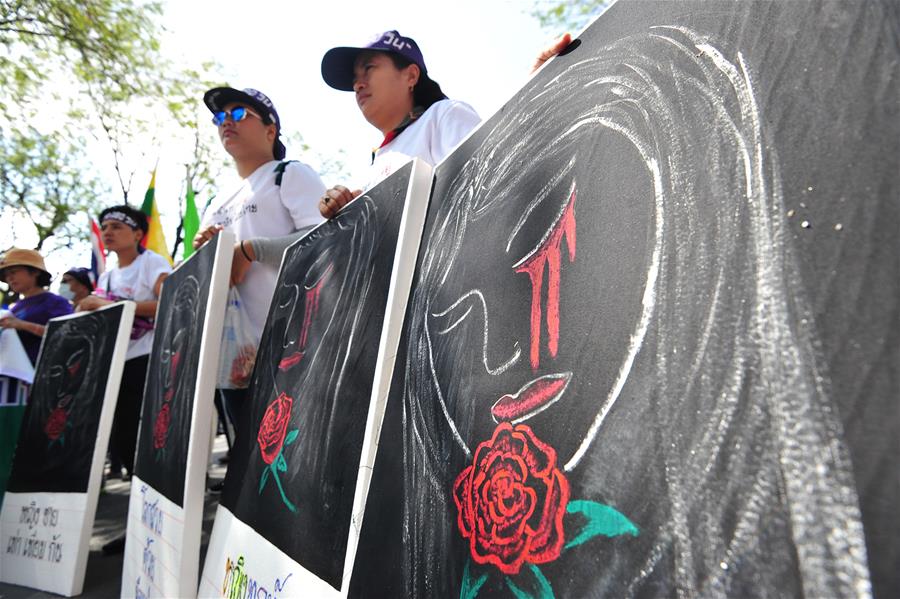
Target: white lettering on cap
397	42
260	97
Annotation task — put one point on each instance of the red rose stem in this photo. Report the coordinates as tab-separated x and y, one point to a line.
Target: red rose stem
548	254
534	397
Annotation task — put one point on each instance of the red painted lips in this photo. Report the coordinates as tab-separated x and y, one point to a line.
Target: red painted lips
534	397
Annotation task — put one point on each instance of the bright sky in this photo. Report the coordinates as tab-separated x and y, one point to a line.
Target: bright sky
480	51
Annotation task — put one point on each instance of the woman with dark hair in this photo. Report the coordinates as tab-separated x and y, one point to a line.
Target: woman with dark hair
24	272
76	284
137	277
397	97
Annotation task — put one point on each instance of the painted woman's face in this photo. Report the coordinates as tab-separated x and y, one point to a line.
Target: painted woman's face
171	360
68	377
525	323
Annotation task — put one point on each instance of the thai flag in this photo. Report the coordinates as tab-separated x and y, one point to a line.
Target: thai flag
98	252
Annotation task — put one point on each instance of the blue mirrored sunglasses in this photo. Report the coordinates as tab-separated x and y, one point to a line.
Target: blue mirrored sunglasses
238	113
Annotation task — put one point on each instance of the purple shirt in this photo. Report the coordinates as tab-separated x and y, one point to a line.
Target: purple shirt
39	309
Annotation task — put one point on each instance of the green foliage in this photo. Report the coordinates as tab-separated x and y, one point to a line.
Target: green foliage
108	42
570	15
183	93
101	61
47	180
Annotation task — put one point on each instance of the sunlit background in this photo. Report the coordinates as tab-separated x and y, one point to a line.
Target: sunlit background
480	51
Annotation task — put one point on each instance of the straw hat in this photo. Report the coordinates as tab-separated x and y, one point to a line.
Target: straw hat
22	257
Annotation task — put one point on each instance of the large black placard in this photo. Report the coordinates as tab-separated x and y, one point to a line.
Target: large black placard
61	422
652	343
162	454
294	465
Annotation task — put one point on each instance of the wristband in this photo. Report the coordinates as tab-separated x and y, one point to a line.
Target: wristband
243	251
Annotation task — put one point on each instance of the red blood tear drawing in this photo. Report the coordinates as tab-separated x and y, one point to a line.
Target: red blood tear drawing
310	309
547	254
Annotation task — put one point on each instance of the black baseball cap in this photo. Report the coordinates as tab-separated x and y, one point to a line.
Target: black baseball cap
219	97
337	64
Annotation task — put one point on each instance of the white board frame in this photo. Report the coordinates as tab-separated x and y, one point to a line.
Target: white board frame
266	566
179	564
67	576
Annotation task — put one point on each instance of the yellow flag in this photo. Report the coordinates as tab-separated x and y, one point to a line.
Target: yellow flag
154	240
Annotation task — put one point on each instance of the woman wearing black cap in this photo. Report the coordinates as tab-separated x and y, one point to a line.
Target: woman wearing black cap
272	198
396	96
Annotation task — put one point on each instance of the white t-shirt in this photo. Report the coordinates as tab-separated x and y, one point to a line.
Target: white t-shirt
430	138
135	282
256	207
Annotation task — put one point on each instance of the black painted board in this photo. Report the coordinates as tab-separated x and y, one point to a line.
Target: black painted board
60	426
653	338
292	473
165	432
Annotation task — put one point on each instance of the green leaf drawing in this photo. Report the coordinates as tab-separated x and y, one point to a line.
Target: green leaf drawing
601	520
471	585
281	463
291	436
263	478
539	585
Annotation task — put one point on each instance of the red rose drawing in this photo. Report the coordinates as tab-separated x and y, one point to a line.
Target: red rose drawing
56	424
161	427
511	500
274	427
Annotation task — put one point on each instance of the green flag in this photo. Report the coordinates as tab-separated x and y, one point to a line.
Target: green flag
190	222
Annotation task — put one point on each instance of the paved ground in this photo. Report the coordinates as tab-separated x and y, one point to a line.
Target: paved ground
104	573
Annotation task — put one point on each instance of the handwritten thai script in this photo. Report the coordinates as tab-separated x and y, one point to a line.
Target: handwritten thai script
151	515
239	585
